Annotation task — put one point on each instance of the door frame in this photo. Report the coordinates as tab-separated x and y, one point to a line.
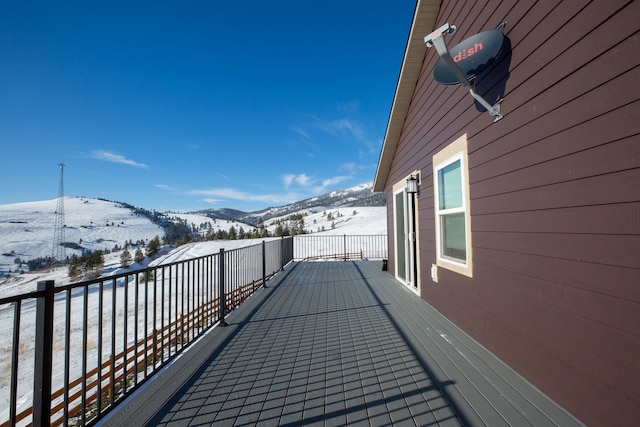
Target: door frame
407	268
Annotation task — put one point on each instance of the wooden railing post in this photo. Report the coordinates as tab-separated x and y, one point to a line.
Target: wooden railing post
43	355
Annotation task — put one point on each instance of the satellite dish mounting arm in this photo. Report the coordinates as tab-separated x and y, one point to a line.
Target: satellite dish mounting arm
436	39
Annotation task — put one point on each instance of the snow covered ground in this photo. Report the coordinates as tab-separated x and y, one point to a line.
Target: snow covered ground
349	221
26	232
26	229
202	223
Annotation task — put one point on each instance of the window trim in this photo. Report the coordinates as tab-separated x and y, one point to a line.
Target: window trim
456	151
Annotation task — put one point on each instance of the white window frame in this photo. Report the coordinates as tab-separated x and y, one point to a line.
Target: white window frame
454	152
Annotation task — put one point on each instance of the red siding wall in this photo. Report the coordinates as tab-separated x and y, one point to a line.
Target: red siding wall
555	199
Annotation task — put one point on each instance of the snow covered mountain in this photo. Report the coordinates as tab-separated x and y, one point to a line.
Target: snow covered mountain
358	196
26	229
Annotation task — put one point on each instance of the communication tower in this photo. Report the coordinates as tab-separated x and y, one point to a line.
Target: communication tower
59	252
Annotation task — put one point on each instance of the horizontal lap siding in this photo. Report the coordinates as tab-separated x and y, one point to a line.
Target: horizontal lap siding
555	198
600	219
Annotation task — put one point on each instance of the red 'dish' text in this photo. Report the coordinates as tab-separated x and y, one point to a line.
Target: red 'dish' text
465	53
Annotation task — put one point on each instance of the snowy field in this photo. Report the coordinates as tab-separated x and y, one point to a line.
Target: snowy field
26	231
202	223
350	221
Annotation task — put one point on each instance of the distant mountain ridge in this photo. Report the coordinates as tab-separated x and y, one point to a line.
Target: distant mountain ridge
358	196
99	224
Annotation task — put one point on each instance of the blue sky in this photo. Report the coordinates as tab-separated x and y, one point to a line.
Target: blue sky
193	105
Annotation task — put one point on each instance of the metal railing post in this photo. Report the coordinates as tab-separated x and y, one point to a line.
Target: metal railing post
282	253
344	243
264	264
43	355
221	296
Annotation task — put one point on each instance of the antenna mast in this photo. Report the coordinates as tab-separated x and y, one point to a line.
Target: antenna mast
59	253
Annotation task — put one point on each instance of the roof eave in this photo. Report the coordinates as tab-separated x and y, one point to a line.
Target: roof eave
424	19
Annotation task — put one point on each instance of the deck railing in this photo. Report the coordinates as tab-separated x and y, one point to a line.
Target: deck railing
77	350
316	247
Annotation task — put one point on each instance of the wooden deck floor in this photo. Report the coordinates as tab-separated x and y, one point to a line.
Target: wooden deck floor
333	344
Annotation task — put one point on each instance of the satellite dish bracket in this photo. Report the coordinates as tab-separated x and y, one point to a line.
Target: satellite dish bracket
436	39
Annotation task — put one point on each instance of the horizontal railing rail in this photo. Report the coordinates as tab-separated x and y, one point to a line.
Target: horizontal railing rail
317	247
74	352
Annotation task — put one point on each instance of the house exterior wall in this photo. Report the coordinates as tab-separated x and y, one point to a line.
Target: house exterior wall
554	198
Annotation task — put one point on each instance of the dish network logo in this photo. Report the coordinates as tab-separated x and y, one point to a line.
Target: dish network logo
465	53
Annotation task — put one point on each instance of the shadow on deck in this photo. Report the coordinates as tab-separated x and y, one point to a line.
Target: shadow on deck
337	343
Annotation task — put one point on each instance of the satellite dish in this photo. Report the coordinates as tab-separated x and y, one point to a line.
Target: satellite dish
472	56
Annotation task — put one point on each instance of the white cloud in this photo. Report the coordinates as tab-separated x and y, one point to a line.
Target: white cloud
344	128
355	167
314	186
217	195
348	167
301	131
212	201
330	182
302	180
349	107
108	156
296	187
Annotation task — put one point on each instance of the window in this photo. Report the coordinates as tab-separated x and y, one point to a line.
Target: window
451	186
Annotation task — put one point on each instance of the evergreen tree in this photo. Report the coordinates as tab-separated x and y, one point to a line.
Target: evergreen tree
125	259
153	246
74	268
94	264
89	264
183	240
138	256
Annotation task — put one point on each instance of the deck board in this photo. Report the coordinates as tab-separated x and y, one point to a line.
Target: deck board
337	343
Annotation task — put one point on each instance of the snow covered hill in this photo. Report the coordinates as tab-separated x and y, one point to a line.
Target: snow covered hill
351	221
26	230
358	196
